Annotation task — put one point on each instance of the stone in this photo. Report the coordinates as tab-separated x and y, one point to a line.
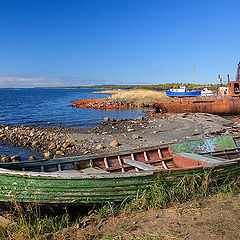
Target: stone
66	145
106	119
31	134
35	143
114	143
130	130
135	136
140	118
4	159
112	120
47	155
61	153
31	158
70	140
99	146
119	120
51	146
16	158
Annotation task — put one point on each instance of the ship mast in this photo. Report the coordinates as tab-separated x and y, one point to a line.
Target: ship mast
238	73
193	74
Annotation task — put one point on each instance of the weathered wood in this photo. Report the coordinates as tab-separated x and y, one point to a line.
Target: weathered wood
77	183
140	165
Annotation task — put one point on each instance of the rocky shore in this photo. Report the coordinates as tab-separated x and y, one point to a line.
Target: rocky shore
116	135
110	104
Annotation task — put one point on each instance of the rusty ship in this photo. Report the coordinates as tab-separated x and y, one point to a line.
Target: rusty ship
225	102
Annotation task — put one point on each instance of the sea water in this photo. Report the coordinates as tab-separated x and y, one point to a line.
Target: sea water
39	107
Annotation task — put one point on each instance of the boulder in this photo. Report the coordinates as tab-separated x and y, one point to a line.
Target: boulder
47	155
31	158
135	136
114	143
106	119
99	146
140	118
51	146
16	158
70	140
60	153
4	159
66	145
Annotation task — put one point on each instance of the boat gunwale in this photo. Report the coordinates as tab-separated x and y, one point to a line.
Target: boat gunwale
79	175
55	161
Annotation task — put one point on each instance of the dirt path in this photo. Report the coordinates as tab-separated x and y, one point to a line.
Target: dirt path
213	218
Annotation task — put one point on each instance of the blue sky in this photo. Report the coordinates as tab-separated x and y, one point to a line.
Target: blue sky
88	42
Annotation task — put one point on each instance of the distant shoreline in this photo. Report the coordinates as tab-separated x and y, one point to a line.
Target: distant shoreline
159	87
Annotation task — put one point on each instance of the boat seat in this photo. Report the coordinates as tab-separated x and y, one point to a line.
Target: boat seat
140	165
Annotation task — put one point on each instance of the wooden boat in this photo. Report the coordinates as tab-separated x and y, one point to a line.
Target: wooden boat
116	176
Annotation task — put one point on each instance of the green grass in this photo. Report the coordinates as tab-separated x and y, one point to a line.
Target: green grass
30	224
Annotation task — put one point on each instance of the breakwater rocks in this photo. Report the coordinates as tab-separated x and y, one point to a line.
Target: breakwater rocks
110	104
51	142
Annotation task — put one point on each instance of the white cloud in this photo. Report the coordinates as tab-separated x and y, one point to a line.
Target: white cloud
25	81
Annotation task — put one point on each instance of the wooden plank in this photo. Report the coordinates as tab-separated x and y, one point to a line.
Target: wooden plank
164	165
140	165
93	170
205	145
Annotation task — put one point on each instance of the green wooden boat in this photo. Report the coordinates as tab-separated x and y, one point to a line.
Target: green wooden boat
115	176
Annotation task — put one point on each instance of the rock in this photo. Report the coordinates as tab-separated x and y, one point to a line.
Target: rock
112	120
51	146
47	155
130	130
140	118
31	134
60	153
106	119
114	144
70	140
4	159
16	158
119	120
35	143
66	145
31	158
227	132
135	136
99	146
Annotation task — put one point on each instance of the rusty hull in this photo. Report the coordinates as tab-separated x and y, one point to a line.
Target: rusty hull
221	105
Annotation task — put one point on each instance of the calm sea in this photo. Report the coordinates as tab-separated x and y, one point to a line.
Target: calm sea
31	107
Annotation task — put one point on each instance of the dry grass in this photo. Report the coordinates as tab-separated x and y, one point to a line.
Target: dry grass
111	91
137	94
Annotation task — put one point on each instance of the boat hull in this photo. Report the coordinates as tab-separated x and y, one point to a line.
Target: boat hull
40	189
214	105
65	181
183	94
